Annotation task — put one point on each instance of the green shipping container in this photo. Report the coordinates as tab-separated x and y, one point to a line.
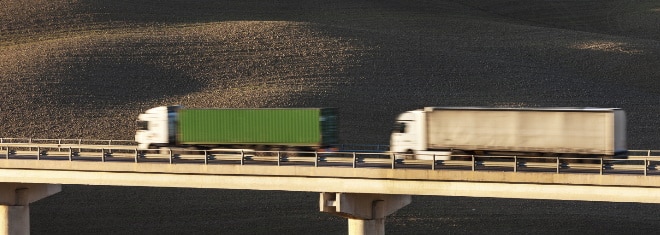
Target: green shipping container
281	126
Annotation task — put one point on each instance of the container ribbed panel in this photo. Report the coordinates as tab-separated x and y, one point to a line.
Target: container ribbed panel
254	126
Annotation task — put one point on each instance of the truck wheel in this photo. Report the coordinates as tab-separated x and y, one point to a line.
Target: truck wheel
292	152
409	155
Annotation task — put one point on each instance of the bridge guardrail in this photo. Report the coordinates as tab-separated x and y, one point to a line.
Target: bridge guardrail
642	162
65	141
644	153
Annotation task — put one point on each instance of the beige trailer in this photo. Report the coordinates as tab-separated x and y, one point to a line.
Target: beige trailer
589	131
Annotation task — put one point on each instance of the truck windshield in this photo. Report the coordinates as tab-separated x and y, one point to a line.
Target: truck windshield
399	127
142	125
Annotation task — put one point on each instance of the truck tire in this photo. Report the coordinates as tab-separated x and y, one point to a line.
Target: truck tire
409	155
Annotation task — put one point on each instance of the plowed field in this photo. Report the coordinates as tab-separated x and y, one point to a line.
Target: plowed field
85	69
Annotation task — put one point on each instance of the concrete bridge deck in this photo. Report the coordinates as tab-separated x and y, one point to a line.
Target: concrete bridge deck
360	187
534	185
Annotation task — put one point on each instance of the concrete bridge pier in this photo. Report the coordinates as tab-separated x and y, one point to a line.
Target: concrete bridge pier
14	205
365	212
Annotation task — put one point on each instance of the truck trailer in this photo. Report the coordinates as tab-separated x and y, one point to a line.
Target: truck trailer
291	129
444	131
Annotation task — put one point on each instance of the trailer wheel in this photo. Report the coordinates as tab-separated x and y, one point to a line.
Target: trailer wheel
280	150
292	152
260	151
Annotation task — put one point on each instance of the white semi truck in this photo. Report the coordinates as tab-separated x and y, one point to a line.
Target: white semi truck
443	131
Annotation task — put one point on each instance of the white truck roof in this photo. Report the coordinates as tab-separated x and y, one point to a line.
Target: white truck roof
561	109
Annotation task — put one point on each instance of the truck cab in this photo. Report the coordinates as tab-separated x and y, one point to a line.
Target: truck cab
408	139
156	127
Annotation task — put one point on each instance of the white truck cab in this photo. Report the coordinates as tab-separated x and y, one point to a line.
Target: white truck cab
408	139
156	127
406	130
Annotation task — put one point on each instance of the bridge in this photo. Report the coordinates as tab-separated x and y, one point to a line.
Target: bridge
362	186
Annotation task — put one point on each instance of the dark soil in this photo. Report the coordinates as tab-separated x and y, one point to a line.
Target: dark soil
85	69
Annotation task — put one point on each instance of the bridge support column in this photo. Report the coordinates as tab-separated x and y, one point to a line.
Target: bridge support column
14	205
365	212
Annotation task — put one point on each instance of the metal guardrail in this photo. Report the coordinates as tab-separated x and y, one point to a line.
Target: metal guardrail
364	147
643	161
65	141
644	153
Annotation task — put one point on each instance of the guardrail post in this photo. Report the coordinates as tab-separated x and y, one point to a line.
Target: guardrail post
137	155
206	157
102	155
601	166
393	157
354	160
242	157
473	163
646	166
433	163
316	159
38	153
171	156
279	158
515	163
558	165
70	154
7	152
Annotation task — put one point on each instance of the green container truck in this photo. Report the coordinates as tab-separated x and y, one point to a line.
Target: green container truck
262	129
